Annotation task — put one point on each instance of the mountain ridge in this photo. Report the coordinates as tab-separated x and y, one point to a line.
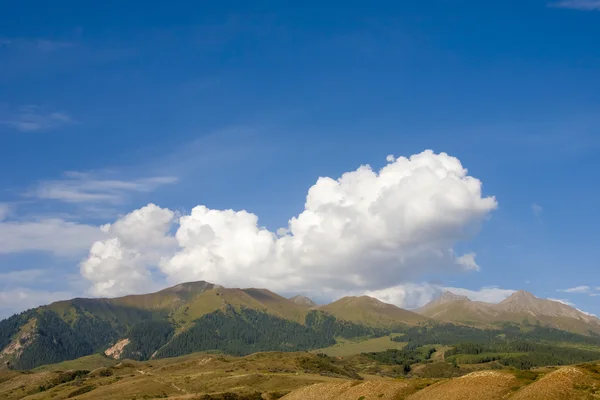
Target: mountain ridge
516	308
201	316
141	325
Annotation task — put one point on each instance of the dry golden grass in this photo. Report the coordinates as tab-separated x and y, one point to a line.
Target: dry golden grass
488	385
184	377
567	383
346	347
274	374
370	390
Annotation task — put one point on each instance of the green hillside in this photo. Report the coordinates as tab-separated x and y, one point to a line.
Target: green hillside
200	316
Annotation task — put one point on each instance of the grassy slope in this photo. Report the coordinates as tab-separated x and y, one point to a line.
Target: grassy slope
88	362
346	347
369	311
271	373
258	299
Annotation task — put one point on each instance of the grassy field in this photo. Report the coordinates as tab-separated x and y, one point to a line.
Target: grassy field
270	376
89	362
345	347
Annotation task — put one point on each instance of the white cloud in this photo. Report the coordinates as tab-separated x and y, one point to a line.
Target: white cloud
537	210
4	211
577	289
33	118
414	295
467	261
19	299
587	313
584	5
407	295
489	294
78	187
367	230
563	301
56	236
119	265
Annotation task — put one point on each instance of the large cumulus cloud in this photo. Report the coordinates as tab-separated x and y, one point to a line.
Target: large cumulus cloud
366	230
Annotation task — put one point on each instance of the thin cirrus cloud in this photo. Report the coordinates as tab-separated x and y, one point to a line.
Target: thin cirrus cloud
584	289
364	231
40	45
584	5
53	235
537	210
78	187
59	236
34	118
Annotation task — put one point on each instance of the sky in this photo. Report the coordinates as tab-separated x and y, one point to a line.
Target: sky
395	149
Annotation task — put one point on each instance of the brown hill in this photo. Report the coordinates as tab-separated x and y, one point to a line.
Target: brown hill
567	383
370	311
454	308
518	308
488	385
372	390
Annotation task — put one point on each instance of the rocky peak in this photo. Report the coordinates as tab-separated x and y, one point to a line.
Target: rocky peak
448	297
303	301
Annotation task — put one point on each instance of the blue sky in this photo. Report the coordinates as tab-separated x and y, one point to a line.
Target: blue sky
105	108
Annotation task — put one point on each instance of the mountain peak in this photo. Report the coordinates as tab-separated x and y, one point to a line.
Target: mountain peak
303	301
448	297
187	287
519	296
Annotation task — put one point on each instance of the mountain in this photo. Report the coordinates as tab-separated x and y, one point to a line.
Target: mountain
303	301
201	316
189	317
521	307
371	312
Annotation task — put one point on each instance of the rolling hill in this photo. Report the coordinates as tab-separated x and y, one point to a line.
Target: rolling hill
301	375
369	311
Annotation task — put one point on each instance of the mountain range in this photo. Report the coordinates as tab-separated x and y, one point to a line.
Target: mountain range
201	316
520	308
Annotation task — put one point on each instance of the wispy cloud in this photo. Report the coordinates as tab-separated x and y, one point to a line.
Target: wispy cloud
41	45
577	289
24	276
52	235
563	301
78	187
34	118
584	289
585	5
4	211
537	210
